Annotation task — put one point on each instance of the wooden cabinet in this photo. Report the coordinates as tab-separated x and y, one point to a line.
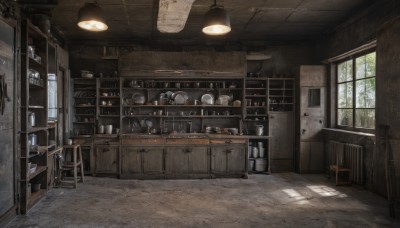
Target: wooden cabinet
142	162
187	161
106	159
282	141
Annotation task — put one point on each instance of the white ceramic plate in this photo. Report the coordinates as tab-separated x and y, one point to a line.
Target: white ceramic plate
207	99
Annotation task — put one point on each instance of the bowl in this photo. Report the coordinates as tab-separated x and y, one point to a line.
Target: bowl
86	74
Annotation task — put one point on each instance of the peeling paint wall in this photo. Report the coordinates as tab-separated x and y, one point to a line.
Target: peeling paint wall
380	22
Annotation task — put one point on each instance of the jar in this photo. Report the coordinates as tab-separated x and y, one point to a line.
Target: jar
31	119
101	129
259	130
255	152
108	129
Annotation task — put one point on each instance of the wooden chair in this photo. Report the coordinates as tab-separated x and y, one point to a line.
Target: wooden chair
342	173
73	161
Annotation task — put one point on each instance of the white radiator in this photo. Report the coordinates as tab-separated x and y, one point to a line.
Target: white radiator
349	156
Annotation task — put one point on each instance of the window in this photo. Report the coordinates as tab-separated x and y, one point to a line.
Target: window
52	97
356	92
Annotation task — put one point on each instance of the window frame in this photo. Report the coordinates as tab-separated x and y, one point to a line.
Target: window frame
353	81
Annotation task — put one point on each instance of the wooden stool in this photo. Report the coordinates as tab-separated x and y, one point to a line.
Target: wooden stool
73	163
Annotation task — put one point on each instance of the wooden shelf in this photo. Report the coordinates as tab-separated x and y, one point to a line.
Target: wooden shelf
38	171
109	115
36	129
110	97
191	116
34	107
256	96
84	97
85	106
35	197
79	122
33	86
181	106
255	88
109	106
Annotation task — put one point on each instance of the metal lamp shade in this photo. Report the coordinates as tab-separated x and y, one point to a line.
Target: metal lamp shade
216	21
90	17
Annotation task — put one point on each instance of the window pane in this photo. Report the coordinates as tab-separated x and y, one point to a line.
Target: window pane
52	96
365	118
345	117
345	72
360	67
370	93
370	61
345	95
360	94
365	93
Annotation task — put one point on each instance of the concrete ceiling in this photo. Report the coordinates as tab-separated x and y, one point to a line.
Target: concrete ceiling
251	20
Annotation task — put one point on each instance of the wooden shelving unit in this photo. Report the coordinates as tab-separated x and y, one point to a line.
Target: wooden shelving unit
33	100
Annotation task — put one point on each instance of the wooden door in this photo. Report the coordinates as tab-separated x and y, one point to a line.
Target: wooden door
281	129
312	118
106	159
152	160
131	161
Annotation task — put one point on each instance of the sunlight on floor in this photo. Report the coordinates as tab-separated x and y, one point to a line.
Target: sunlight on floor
323	190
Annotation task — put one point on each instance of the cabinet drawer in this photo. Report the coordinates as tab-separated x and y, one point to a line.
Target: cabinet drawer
106	141
155	141
187	141
228	141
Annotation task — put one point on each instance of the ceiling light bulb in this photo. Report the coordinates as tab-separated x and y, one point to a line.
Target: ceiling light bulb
216	29
90	17
216	21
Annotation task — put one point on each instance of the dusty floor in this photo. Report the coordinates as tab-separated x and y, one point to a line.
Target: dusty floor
279	200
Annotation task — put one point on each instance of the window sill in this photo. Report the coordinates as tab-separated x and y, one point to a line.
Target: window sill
349	132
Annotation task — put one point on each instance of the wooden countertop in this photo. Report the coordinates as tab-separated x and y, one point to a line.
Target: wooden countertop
194	135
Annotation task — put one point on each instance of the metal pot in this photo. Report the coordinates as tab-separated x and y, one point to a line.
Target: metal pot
259	130
109	129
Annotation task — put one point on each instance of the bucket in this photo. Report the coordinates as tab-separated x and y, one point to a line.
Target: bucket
251	165
260	165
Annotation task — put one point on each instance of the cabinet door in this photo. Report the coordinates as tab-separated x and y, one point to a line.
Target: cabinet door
152	160
106	159
236	159
177	160
218	160
131	161
199	161
228	159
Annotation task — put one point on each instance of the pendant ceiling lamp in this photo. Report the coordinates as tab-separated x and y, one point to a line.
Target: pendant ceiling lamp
90	17
216	21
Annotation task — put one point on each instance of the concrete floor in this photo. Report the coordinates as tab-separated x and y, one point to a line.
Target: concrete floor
278	200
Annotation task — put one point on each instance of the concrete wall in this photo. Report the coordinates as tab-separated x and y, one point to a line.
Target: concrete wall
380	22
